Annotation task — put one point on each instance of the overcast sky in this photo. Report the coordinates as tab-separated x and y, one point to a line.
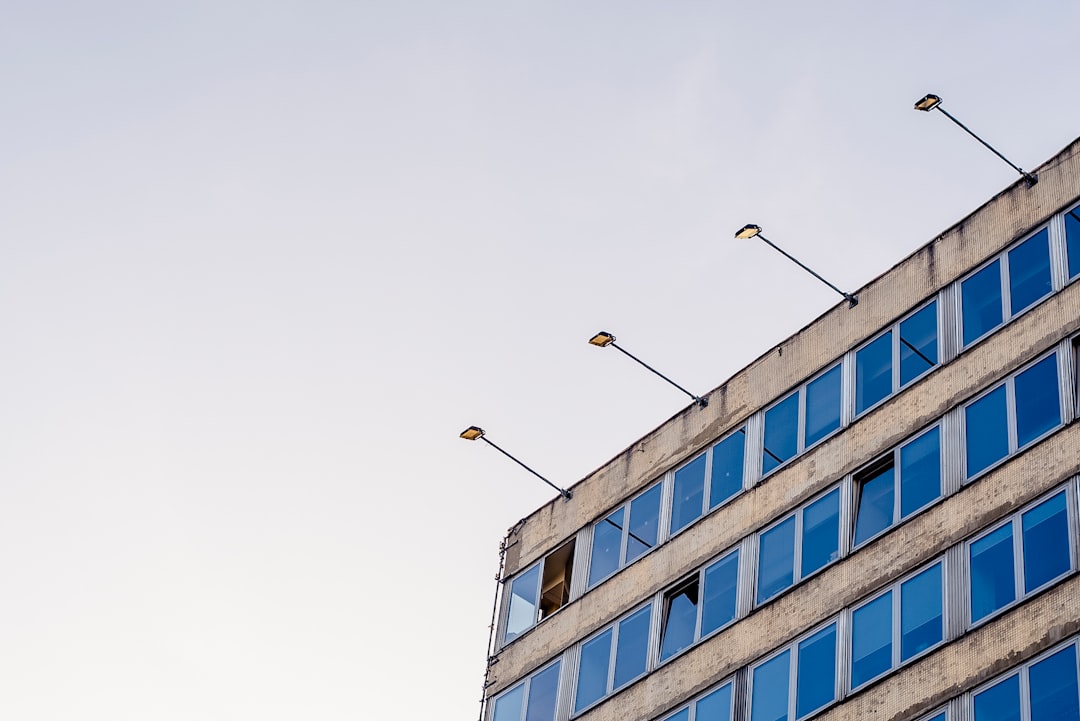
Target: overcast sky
263	261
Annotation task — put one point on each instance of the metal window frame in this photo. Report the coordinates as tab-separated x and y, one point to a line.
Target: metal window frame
691	705
613	648
625	533
792	649
508	585
527	683
1023	671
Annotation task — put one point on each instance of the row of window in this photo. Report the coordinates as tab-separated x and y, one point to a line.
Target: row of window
1017	557
965	312
1003	419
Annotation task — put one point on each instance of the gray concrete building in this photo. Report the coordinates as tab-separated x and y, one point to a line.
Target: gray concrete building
876	519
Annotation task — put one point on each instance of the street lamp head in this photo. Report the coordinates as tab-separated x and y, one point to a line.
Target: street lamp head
472	433
747	231
602	339
928	103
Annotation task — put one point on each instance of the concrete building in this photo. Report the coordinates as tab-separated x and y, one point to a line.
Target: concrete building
877	519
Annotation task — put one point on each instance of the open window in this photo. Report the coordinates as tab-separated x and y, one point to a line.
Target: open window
539	591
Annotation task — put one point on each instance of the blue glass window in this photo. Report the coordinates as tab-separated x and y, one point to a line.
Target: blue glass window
681	715
816	678
776	560
820	533
1037	405
987	431
822	405
769	696
1053	688
689	493
980	297
543	695
921	619
781	433
721	593
873	372
716	706
871	640
616	543
508	706
524	603
918	344
1072	240
920	472
1000	702
875	502
680	622
632	649
644	523
1029	271
993	583
1045	536
727	468
939	717
912	472
593	670
606	546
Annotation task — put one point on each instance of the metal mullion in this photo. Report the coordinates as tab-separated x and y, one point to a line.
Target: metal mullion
579	578
895	357
706	482
847	389
701	602
1025	693
896	624
1059	253
568	676
796	556
800	430
847	516
1066	379
525	698
1006	291
1010	414
667	508
625	533
745	585
1073	523
793	679
1018	558
950	338
897	485
754	450
656	630
613	652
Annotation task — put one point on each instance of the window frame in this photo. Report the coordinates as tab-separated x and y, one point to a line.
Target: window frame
613	652
691	705
792	648
698	577
625	534
800	417
526	683
895	348
706	493
1021	671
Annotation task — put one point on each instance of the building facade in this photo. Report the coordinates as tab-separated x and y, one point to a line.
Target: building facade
877	519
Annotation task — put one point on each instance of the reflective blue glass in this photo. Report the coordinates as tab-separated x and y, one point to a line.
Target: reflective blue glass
993	583
873	372
1037	406
980	297
1000	702
593	670
716	706
689	493
632	650
821	533
920	472
1072	240
769	698
816	684
776	560
875	504
524	600
644	523
721	593
683	715
918	344
727	468
1054	693
508	706
986	431
680	624
606	546
822	405
921	619
543	695
939	717
781	433
1029	271
1046	542
871	640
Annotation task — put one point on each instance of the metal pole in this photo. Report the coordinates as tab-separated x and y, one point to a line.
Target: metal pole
562	491
1029	177
851	299
697	399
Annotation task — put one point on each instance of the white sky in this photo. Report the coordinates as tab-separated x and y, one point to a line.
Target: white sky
262	261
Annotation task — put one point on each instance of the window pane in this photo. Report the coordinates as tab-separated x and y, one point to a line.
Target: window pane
1037	407
918	344
606	543
821	533
1000	702
523	600
816	685
781	433
644	523
727	468
822	405
871	640
1072	239
1054	694
920	472
721	593
921	622
680	623
633	647
689	493
508	706
1046	542
875	511
776	560
769	699
716	706
683	715
992	582
873	372
986	431
593	672
543	694
1029	271
980	297
939	717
